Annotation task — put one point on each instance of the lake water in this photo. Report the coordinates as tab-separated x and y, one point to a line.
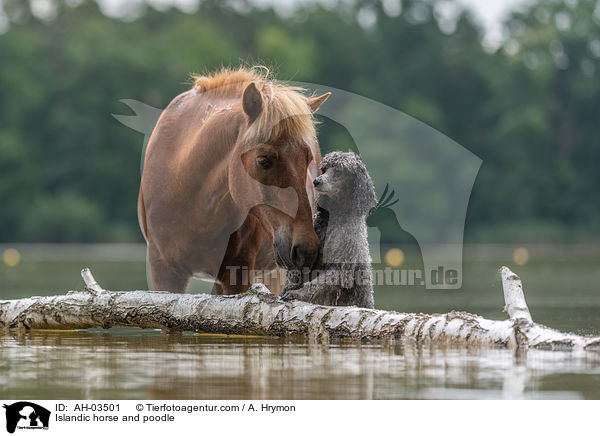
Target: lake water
561	286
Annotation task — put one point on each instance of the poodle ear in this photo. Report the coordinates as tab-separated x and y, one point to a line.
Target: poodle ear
315	103
252	102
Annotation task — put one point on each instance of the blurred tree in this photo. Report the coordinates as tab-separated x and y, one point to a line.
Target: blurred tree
71	173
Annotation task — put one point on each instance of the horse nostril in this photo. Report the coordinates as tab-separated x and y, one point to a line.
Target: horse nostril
296	256
301	257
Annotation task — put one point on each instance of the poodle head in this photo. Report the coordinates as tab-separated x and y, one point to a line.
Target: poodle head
345	185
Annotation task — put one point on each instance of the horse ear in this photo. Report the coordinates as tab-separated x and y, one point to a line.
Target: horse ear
252	102
315	103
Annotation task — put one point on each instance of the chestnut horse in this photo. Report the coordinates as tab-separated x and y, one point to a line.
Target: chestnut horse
227	182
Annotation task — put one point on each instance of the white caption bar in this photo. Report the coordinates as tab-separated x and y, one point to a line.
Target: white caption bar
266	417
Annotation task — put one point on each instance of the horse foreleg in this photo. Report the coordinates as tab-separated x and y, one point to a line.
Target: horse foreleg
165	277
276	280
235	274
237	268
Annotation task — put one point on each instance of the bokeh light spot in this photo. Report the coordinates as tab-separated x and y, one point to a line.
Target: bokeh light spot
394	257
521	256
11	257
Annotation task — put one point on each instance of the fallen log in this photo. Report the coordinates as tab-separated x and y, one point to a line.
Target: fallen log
258	312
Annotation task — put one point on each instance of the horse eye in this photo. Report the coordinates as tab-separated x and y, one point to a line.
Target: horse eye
264	162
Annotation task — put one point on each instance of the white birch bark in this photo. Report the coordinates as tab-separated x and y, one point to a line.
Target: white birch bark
258	312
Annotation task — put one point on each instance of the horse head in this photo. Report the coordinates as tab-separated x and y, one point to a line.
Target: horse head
269	167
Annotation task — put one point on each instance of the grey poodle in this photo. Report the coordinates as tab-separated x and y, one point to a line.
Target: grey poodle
341	275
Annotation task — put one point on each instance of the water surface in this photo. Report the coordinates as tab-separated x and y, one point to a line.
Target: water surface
561	288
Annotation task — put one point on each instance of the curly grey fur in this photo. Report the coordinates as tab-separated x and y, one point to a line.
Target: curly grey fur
342	273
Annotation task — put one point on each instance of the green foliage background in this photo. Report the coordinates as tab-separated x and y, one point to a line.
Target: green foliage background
529	109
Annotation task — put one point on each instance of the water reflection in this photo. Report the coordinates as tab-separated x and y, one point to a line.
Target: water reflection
135	364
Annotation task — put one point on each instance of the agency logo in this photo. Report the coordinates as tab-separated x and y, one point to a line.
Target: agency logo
423	178
26	416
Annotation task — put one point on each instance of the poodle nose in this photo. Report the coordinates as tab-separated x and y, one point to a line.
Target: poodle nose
316	182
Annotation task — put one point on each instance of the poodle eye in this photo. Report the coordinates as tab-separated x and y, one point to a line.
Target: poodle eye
265	162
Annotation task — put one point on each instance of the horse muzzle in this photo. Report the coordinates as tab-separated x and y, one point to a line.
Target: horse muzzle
303	255
297	255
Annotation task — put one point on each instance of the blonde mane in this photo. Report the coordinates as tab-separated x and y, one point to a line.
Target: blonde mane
285	113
